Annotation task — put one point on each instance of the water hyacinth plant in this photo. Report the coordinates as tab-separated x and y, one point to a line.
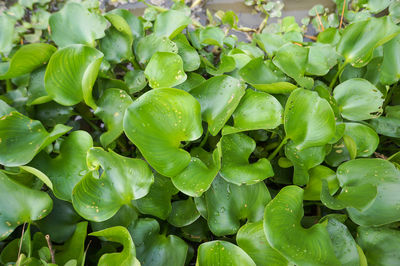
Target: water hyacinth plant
159	140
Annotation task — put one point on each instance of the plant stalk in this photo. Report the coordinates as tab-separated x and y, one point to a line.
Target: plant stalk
275	152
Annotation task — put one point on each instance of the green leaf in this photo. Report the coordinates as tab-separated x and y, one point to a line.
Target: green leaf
309	119
124	217
311	246
390	69
154	248
269	42
69	167
118	40
23	138
120	235
74	247
236	150
226	64
313	189
160	76
84	27
26	59
136	80
220	253
303	160
151	44
71	73
212	36
256	110
158	201
7	32
292	60
197	177
189	55
97	197
228	204
183	213
158	121
264	76
358	99
134	23
170	23
376	172
359	39
252	240
387	126
380	245
321	58
343	243
365	138
20	204
218	96
111	109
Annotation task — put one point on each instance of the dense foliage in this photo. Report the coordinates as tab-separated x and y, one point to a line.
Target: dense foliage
156	140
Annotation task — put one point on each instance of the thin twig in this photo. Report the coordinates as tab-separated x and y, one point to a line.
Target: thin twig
341	18
380	155
20	241
50	248
320	21
310	37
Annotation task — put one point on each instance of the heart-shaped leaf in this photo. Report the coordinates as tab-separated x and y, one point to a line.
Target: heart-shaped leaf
390	69
7	32
321	58
303	160
154	248
220	253
158	121
380	173
71	73
212	36
122	180
134	23
28	205
365	138
189	55
218	96
170	23
313	189
160	76
151	44
111	109
309	119
358	99
68	168
26	59
264	76
251	239
120	235
236	150
256	110
227	204
23	138
84	27
311	246
183	213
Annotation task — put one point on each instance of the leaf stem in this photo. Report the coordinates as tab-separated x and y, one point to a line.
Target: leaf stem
50	248
135	64
8	85
338	73
275	152
21	240
203	142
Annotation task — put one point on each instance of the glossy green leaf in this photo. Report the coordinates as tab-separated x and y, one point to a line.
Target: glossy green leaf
252	240
134	23
69	167
212	36
226	64
7	31
220	253
120	235
344	245
358	99
256	110
313	189
71	73
359	39
123	179
74	247
197	177
124	217
236	150
151	44
111	109
270	43
170	23
136	80
189	55
303	160
228	204
183	213
218	96
117	44
20	204
321	58
158	201
154	249
365	138
23	138
309	119
380	173
26	59
390	69
387	126
160	76
158	121
264	77
380	245
311	246
84	27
